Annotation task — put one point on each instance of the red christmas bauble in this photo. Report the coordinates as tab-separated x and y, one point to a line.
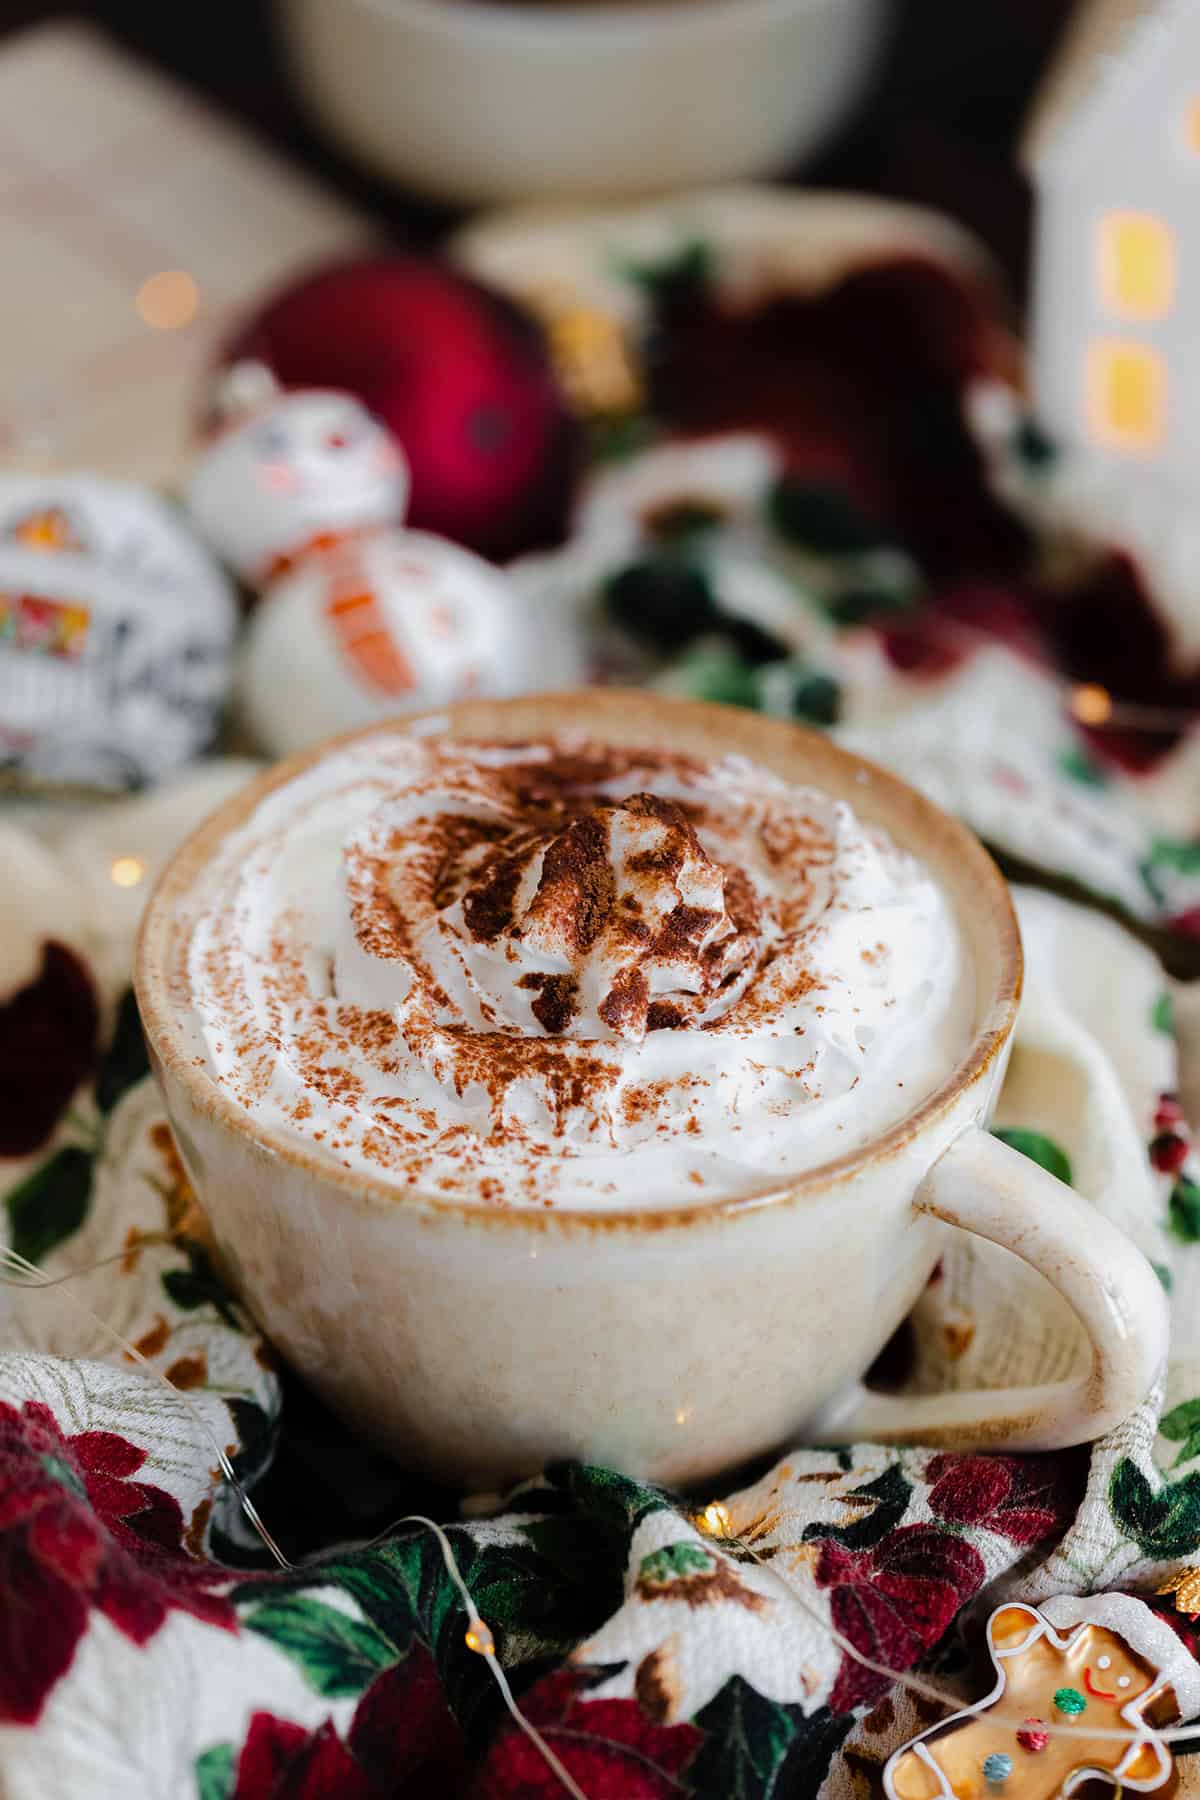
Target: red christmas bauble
459	374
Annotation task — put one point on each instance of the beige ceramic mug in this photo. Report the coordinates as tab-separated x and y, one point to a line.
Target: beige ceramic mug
479	1343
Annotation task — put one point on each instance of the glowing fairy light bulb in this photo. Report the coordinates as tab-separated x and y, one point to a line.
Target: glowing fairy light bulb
715	1519
480	1639
127	871
1092	705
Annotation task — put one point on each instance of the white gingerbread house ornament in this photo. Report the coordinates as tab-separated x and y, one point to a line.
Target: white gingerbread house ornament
1113	150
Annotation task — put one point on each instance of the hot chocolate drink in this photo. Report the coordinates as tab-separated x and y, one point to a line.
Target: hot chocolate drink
561	973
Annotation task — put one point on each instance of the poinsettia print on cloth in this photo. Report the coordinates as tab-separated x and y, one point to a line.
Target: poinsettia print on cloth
78	1532
49	1032
611	1748
886	1546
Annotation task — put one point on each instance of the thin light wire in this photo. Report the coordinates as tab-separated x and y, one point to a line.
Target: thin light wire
916	1684
1080	698
32	1276
151	1240
713	1521
487	1649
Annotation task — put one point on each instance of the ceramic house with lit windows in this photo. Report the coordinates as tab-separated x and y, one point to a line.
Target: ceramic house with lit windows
1113	151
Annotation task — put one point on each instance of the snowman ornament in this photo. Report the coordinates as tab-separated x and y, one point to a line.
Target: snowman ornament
303	495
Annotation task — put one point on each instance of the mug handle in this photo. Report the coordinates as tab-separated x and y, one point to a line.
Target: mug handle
982	1185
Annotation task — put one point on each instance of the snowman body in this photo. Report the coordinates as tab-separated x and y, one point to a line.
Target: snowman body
357	618
370	625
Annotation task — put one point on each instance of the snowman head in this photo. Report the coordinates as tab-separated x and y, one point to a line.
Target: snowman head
296	467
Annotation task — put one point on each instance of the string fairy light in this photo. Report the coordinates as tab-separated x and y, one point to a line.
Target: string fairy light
904	1678
1088	702
714	1521
478	1637
1092	704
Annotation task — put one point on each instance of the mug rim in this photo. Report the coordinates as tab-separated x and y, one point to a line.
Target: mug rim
743	732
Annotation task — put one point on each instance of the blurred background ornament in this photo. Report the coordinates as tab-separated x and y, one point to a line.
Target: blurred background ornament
303	494
116	633
459	373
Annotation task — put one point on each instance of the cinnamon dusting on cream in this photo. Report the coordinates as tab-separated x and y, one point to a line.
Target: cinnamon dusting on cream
500	971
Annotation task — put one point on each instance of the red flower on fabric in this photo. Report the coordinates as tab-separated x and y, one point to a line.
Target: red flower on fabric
610	1746
76	1533
48	1037
404	1733
1187	924
1021	1498
403	1739
282	1761
958	621
894	1601
861	382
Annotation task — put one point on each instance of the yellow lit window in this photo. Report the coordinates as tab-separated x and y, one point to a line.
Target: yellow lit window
1137	265
1127	395
1193	127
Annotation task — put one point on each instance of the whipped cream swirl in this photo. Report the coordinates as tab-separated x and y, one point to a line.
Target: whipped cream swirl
497	971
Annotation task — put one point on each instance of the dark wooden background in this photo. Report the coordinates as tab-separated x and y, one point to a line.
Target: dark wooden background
939	126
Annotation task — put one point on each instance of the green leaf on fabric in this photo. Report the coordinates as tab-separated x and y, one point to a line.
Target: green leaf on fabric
603	1492
580	1571
798	692
1164	1523
543	1586
662	599
1183	1210
215	1773
1083	768
678	526
1162	1014
819	518
1183	1422
338	1656
1164	1275
890	1492
721	675
1180	854
51	1203
367	1576
817	698
1038	1148
125	1061
616	440
64	1474
685	271
855	605
198	1285
673	1561
746	1740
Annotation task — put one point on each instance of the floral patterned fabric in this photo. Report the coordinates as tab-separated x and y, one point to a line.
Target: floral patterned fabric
919	588
662	1646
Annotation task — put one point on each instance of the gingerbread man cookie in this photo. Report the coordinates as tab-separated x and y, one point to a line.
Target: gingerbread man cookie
1066	1673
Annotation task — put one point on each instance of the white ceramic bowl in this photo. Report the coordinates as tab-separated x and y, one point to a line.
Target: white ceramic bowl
479	101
